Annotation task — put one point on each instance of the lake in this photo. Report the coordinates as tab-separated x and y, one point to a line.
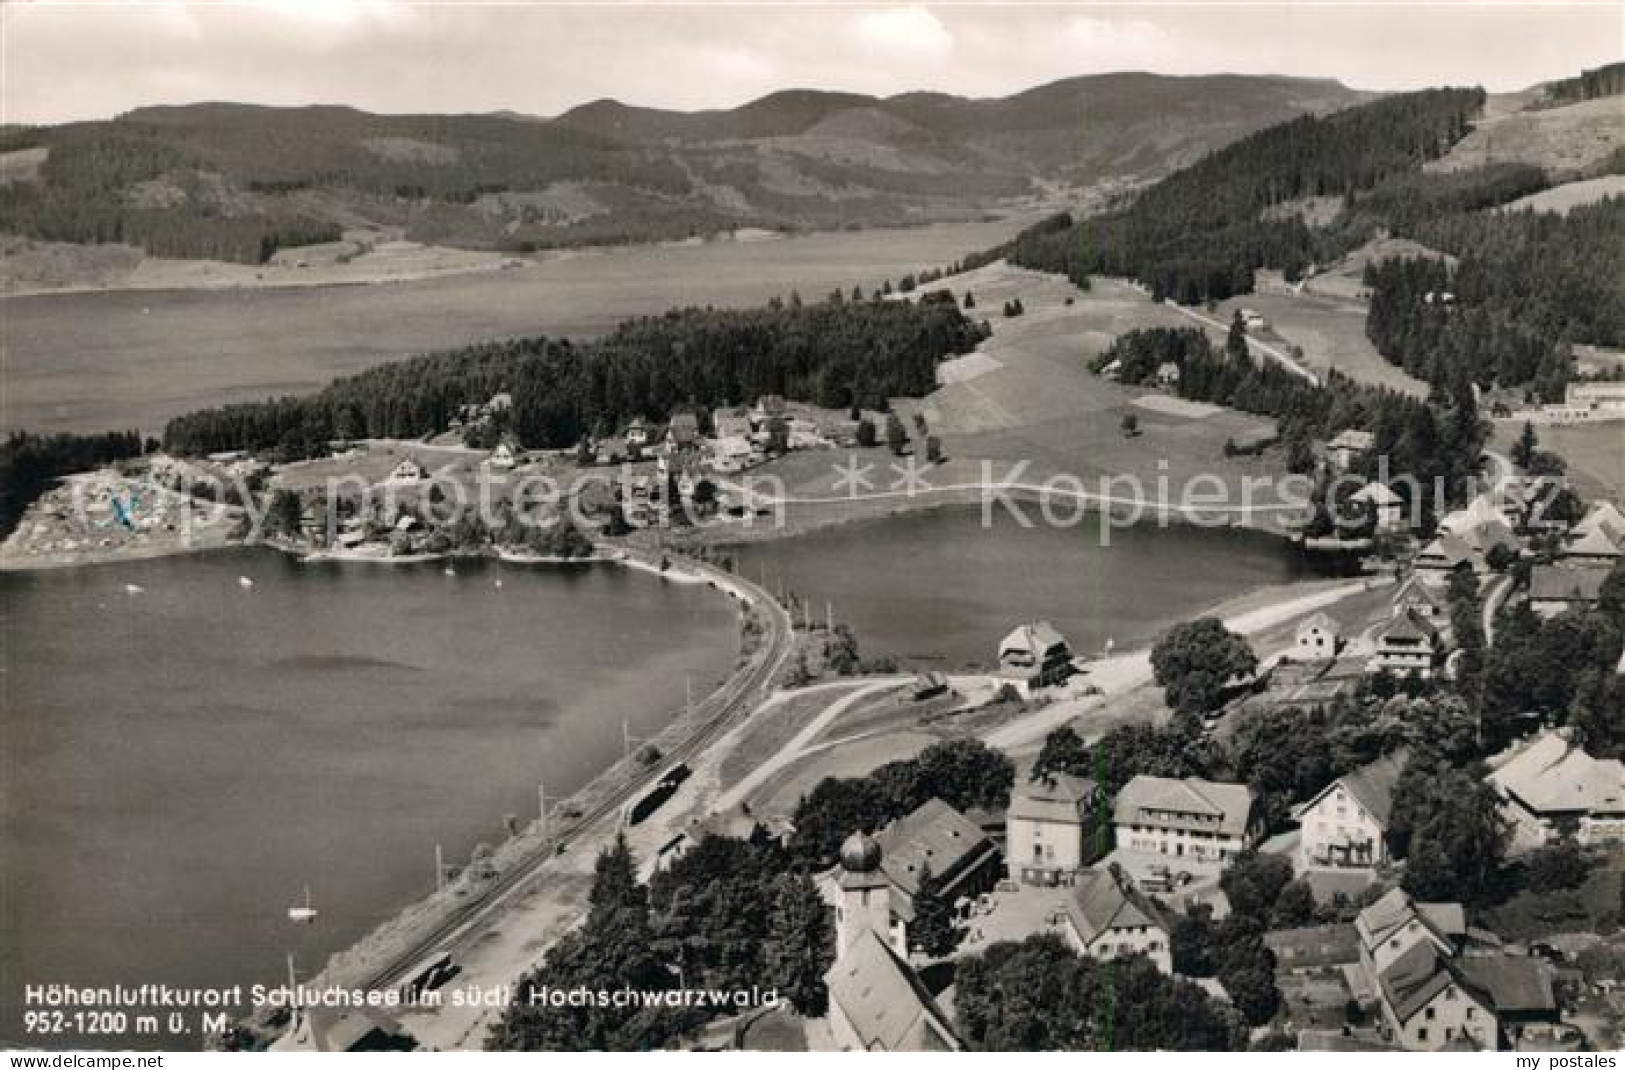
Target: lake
176	765
86	362
938	590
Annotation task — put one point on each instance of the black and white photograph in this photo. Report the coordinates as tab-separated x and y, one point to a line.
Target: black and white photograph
818	527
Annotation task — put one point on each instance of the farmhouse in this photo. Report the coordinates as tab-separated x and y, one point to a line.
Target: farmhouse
1051	829
1348	448
408	471
1448	553
1107	917
1318	638
683	432
1550	787
1387	507
1196	819
1344	826
1408	645
1602	400
1036	654
1593	546
1425	599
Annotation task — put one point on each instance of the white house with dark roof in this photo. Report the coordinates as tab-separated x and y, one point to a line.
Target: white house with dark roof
877	1003
1036	654
1052	828
1194	819
1106	917
1550	787
1318	638
1346	824
408	471
1425	598
1349	446
1387	507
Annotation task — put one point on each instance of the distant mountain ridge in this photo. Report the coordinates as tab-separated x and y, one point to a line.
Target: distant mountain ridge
235	180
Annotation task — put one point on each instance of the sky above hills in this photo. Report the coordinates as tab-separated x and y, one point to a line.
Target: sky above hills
79	60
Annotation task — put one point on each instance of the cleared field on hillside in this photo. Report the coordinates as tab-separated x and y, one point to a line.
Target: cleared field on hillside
1558	139
1331	333
1560	199
1593	453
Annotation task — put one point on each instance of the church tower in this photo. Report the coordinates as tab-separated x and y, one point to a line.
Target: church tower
865	894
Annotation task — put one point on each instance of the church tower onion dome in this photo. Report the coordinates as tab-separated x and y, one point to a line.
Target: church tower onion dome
860	853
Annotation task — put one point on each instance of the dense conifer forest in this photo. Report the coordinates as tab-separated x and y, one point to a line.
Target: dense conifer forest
29	463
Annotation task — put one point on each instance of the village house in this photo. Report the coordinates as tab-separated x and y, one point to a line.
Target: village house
877	1003
1349	447
1427	600
1592	546
731	422
1599	400
1168	374
408	471
1387	508
1051	829
1345	826
1318	637
880	876
929	685
1036	654
1313	948
503	457
1553	590
1550	787
732	453
1447	554
1107	917
768	407
682	432
1408	645
637	433
1193	819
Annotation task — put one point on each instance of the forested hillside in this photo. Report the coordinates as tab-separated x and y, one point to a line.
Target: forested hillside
1199	234
236	181
1524	287
836	353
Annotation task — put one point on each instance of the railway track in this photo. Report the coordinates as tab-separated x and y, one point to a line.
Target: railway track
738	696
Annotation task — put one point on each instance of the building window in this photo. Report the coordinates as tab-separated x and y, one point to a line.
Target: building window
1430	1014
1421	1034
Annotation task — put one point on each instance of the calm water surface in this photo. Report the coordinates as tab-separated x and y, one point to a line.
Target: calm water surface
176	765
937	588
78	362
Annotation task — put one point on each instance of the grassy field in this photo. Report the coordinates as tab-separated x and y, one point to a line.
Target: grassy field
1330	331
1559	140
1560	199
1593	453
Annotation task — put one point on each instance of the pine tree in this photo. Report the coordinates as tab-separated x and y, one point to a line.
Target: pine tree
1523	451
933	930
801	944
615	885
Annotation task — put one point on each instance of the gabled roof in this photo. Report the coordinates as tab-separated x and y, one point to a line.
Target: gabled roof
1380	495
1516	984
1101	901
887	1006
1320	621
1230	803
1394	912
1593	543
1412	981
1409	625
1353	439
1035	637
1548	773
1447	551
1371	785
1605	517
1058	797
1551	583
1415	590
936	835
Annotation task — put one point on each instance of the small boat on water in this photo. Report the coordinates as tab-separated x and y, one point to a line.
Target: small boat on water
303	913
133	588
244	582
497	584
450	571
